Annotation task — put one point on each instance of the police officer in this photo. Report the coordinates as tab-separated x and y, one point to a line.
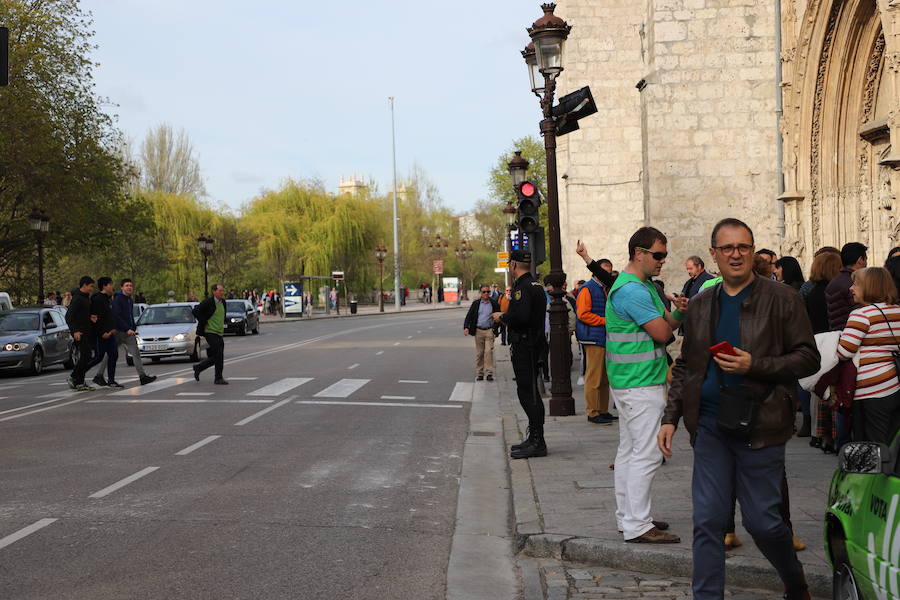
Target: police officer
525	323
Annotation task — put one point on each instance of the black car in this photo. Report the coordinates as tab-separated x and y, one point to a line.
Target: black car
240	317
34	338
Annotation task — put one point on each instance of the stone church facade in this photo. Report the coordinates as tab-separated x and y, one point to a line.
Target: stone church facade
686	131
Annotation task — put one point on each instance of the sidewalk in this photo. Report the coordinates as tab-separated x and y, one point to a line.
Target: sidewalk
565	504
365	310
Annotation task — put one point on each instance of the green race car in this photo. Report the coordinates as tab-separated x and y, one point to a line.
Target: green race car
862	523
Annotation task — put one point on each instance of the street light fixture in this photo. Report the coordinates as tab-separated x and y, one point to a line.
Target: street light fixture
39	223
380	255
534	71
437	249
206	248
517	168
464	253
549	34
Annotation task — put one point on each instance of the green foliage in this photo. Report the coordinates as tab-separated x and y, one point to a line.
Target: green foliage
500	188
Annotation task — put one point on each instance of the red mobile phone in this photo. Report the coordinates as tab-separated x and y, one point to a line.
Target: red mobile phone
723	348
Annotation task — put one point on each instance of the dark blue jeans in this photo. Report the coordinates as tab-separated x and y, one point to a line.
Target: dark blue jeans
723	464
108	347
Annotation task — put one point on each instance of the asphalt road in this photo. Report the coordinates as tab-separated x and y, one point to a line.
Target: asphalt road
329	468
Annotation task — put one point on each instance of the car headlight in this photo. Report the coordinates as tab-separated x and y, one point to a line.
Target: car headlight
178	337
236	320
138	339
16	346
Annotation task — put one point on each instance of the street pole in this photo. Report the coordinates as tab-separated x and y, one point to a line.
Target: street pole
397	290
381	285
39	223
40	249
205	275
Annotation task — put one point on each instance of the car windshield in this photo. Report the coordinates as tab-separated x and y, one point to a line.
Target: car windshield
237	306
20	322
160	315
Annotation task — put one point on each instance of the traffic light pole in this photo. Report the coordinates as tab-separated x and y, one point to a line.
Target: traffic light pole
561	401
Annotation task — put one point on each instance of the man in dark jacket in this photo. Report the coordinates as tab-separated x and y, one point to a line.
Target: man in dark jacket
837	295
106	351
766	324
482	327
126	334
211	318
696	269
81	326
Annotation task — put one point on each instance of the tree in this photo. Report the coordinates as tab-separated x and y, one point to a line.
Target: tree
169	164
500	187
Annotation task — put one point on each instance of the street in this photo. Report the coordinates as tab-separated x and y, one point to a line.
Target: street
328	468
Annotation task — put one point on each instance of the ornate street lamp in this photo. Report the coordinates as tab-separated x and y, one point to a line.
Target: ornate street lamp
509	211
206	248
534	71
517	168
39	223
380	255
548	34
463	253
437	249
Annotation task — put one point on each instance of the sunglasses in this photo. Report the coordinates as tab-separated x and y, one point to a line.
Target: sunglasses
655	255
485	291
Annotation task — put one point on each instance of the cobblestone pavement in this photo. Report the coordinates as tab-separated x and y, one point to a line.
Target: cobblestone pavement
567	581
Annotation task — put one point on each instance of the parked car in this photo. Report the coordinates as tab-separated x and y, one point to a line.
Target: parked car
34	338
5	301
138	310
862	522
167	331
240	317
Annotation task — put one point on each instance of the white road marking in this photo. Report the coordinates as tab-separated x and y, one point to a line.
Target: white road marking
398	397
418	331
281	386
27	406
264	411
150	388
61	394
379	353
25	532
199	444
409	337
179	401
403	404
342	388
396	343
243	378
60	383
123	482
194	394
411	381
25	414
353	366
462	392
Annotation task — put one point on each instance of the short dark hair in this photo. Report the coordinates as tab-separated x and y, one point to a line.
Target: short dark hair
214	286
103	281
698	262
729	222
852	252
124	281
767	252
644	238
86	280
605	260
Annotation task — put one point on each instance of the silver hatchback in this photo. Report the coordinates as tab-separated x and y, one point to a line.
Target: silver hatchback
169	330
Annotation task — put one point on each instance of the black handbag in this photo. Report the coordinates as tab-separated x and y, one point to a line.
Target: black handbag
894	353
738	408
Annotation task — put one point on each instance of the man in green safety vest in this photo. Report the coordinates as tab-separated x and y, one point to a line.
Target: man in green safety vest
637	329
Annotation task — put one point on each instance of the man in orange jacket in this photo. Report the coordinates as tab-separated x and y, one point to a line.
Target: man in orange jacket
590	330
504	307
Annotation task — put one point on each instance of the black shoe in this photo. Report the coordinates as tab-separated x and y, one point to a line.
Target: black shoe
547	378
220	381
490	377
599	420
479	378
115	384
609	416
502	343
145	379
806	427
532	449
523	442
196	373
815	442
98	379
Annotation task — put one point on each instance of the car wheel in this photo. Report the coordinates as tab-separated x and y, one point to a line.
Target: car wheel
156	359
243	329
37	361
844	585
256	329
73	358
195	356
129	361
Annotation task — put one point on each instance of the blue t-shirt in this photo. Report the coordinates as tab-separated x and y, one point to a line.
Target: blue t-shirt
728	330
632	302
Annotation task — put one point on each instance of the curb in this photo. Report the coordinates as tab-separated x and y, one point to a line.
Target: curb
533	541
346	316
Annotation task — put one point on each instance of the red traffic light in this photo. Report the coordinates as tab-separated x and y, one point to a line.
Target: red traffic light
528	189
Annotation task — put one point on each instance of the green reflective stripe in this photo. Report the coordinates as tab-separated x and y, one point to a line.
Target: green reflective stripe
637	336
635	358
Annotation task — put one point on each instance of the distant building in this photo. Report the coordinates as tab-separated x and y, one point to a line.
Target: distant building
353	185
470	227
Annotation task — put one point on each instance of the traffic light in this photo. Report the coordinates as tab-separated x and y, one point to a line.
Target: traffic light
529	203
538	246
4	56
571	108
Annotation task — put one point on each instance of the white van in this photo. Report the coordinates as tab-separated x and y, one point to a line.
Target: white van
5	301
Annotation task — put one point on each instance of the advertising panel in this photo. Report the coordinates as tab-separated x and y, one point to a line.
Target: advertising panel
451	289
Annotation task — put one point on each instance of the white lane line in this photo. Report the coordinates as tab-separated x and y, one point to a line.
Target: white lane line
411	381
194	394
243	378
398	397
342	388
24	532
179	401
150	388
353	366
27	406
379	353
60	383
462	392
264	411
403	404
199	444
123	482
25	414
60	394
418	331
3	398
396	343
409	337
281	386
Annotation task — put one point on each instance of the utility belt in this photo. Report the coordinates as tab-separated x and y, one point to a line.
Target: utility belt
528	339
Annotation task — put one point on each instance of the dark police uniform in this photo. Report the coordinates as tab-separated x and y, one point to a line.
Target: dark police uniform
525	322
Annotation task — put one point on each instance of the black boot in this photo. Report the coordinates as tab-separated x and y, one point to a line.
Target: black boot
523	442
806	427
533	447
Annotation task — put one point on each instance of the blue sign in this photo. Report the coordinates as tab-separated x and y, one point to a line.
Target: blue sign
293	298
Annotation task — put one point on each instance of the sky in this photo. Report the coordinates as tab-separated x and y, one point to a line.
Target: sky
273	89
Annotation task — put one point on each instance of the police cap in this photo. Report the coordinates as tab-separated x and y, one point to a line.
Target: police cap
521	256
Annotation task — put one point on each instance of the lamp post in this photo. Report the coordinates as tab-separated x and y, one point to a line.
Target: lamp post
206	248
437	249
544	59
39	223
380	255
509	211
518	166
463	253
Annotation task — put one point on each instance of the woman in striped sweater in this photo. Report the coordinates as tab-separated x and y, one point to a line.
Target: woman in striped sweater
870	332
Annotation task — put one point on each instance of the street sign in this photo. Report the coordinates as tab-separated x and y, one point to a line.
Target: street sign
503	256
502	264
438	267
337	275
293	298
499	270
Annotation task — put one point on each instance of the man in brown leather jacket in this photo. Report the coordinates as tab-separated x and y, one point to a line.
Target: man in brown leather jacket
766	324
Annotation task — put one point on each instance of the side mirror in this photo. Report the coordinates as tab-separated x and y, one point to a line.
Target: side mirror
866	458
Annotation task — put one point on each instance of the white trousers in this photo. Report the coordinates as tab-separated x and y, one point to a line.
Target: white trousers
640	412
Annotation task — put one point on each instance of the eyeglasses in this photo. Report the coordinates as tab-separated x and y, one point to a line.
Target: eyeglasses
743	249
485	291
655	255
